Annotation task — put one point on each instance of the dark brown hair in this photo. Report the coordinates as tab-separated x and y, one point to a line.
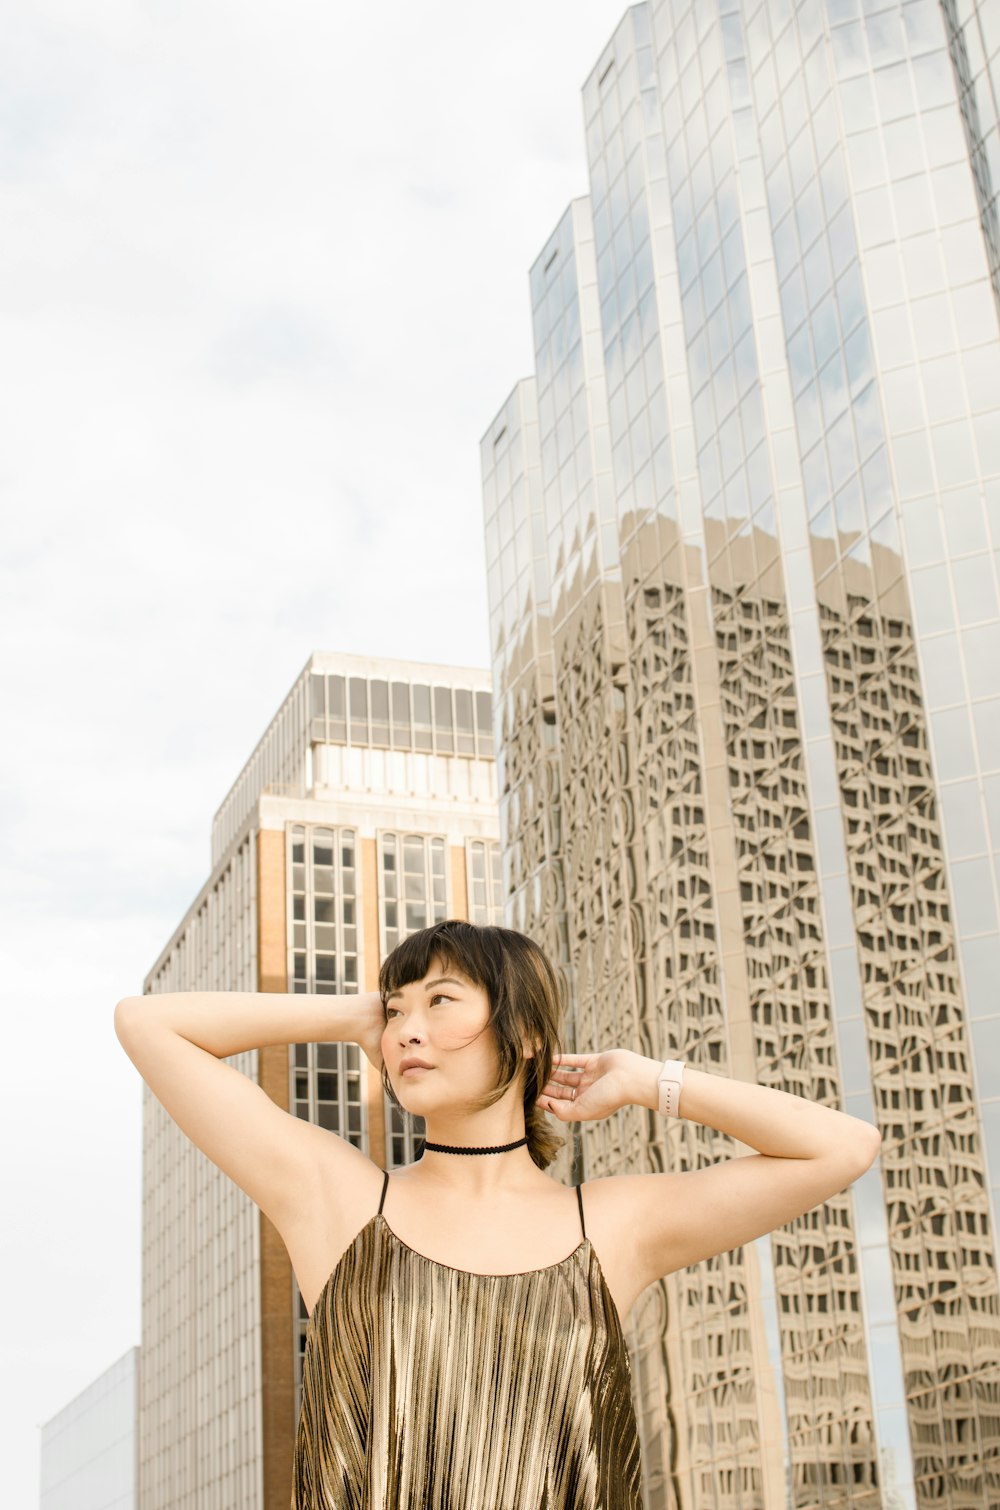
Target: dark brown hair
523	993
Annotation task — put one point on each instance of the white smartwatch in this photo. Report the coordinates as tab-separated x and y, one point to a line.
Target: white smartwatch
668	1087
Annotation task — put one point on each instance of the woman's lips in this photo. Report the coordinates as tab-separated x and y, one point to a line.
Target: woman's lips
418	1069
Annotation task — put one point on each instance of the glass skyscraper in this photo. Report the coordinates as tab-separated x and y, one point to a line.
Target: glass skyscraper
741	533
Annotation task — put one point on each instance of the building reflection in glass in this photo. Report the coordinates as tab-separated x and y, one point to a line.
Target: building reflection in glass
746	656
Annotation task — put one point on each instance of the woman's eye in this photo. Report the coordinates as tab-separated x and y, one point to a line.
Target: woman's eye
438	996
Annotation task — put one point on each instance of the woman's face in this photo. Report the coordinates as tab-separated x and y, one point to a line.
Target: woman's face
440	1020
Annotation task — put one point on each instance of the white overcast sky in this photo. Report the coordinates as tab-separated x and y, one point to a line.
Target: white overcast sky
263	285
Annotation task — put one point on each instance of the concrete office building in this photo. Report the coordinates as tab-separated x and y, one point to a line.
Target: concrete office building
88	1450
367	811
741	531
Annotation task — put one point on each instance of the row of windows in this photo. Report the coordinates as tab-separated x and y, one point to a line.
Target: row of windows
323	932
400	715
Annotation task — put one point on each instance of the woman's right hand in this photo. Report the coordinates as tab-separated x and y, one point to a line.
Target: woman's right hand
371	1024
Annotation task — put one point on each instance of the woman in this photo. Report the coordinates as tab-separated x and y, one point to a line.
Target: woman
465	1345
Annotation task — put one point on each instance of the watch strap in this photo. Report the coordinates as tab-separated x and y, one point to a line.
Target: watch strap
668	1087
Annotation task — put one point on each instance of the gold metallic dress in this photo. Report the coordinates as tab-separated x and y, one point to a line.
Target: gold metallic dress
431	1388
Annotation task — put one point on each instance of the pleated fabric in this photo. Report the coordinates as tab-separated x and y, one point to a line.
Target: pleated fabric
431	1388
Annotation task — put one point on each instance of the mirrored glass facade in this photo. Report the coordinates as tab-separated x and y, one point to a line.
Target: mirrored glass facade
741	532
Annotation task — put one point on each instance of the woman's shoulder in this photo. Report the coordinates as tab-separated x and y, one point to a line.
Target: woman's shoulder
604	1192
617	1201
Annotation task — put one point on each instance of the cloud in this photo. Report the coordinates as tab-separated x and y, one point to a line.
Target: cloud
263	285
274	341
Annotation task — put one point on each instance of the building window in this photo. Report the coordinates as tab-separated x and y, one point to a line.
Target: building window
380	714
317	708
482	859
323	926
328	1088
422	735
336	707
412	890
444	737
484	724
465	739
402	734
359	710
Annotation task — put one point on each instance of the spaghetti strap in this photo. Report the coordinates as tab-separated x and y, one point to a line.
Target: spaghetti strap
385	1186
579	1199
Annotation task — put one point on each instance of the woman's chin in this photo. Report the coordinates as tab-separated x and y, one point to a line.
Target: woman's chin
412	1090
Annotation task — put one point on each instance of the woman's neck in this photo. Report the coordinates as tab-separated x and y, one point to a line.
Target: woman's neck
475	1175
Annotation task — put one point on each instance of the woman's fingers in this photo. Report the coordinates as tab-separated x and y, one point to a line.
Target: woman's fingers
567	1082
559	1091
558	1108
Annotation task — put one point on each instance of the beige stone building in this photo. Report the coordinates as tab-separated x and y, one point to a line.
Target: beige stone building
368	810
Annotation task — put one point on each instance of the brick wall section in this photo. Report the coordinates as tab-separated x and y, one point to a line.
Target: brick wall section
459	882
370	934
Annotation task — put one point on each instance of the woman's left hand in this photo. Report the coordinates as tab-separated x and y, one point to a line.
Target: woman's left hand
586	1087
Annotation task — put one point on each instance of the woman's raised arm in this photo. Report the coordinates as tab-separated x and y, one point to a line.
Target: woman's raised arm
178	1042
805	1154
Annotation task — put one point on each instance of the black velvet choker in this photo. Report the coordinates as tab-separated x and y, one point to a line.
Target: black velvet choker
503	1148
